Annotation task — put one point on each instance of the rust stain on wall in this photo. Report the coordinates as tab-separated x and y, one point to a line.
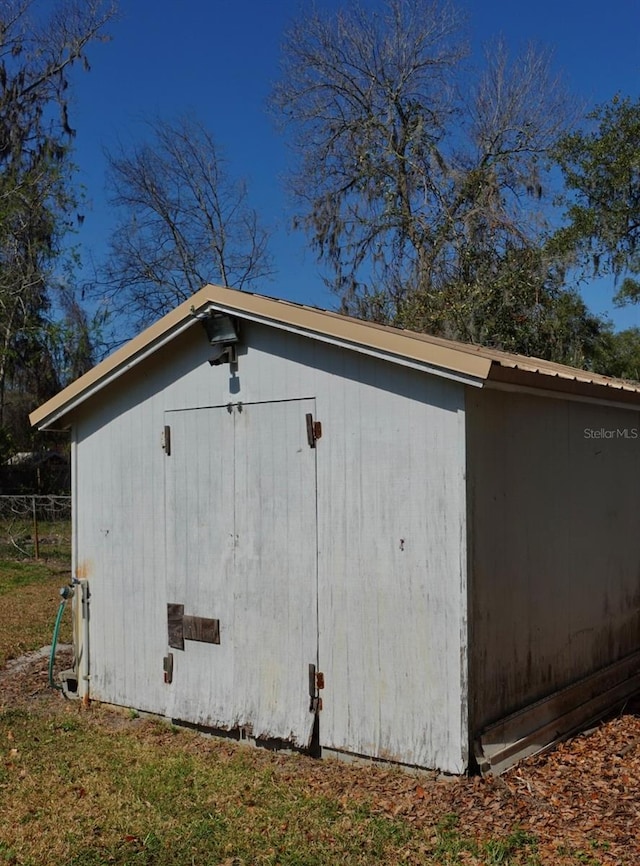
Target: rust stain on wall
84	569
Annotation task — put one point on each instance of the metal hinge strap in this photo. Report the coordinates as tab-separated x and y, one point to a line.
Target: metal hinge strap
314	430
316	682
166	440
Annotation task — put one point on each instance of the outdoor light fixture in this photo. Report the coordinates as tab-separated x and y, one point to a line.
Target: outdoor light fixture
222	333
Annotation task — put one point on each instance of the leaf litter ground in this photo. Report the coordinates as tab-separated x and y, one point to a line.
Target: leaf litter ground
577	804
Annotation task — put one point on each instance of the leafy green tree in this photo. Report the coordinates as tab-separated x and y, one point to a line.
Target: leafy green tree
516	302
618	354
601	168
39	46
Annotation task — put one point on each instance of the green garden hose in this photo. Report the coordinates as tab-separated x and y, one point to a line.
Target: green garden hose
54	640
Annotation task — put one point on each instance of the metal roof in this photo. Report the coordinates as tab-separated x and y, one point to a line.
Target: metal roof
476	365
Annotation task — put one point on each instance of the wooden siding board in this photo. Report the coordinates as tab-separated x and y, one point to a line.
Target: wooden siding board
79	633
121	550
390	574
556	717
390	466
556	556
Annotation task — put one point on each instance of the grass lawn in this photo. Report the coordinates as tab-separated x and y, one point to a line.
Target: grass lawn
29	599
18	539
90	786
79	792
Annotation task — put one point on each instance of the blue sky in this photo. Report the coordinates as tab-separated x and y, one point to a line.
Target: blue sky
220	58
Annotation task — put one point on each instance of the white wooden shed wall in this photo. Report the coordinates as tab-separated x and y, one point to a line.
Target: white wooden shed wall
554	504
391	538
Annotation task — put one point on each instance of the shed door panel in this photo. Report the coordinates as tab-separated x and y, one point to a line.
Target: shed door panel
242	548
200	553
276	569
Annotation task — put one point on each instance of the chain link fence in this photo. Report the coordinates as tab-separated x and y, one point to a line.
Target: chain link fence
35	527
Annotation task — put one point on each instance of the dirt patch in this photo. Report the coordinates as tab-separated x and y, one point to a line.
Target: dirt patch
23	663
25	679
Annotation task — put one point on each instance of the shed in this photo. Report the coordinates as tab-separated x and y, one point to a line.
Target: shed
305	529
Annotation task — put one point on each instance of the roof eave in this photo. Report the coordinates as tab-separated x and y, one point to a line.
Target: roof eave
395	346
125	358
543	384
466	364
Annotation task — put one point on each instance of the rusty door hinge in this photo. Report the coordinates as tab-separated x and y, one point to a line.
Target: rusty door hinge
166	440
316	681
314	430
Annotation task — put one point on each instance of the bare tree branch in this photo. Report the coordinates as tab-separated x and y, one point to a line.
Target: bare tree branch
185	222
408	172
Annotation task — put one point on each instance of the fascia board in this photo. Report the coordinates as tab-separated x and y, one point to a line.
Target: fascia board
124	359
403	360
395	347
